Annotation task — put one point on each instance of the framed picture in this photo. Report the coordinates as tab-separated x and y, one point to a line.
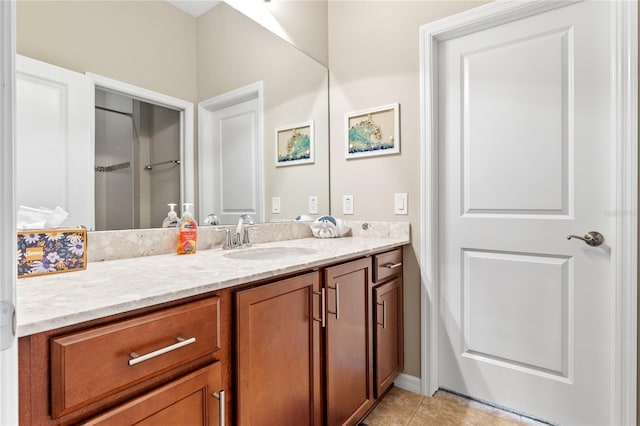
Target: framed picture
374	131
294	144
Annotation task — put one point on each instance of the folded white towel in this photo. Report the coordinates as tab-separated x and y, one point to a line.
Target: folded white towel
329	227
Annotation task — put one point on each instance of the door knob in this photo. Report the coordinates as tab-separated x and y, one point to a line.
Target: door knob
593	238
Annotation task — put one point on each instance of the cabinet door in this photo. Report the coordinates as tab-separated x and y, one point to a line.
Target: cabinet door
187	401
389	353
348	342
278	353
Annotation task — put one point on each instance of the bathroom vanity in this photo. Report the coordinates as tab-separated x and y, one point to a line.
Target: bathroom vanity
308	333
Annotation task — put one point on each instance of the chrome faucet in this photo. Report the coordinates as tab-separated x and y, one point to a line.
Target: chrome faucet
230	243
242	239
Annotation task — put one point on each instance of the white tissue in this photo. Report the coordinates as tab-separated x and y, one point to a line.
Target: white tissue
39	218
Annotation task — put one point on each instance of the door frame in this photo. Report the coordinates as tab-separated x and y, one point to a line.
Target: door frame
9	347
624	112
187	126
225	100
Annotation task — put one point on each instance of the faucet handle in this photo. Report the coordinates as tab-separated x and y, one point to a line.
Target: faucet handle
245	236
230	243
212	219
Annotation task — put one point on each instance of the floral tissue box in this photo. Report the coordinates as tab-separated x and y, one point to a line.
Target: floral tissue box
48	251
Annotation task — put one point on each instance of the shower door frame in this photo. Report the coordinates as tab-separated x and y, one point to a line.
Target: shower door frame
186	110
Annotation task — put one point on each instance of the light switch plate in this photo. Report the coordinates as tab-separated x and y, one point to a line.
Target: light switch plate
400	203
275	205
347	204
313	204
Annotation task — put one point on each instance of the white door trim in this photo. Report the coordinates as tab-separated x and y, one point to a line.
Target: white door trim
187	125
227	99
624	110
9	356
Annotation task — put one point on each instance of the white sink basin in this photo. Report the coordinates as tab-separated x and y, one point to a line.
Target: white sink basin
269	253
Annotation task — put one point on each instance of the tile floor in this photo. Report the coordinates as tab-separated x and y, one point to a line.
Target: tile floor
403	408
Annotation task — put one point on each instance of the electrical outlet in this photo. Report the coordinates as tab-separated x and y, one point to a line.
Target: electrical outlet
400	203
313	204
275	205
347	204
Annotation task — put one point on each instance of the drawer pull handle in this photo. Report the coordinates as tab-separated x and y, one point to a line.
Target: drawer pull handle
337	311
221	414
322	319
392	265
137	359
384	313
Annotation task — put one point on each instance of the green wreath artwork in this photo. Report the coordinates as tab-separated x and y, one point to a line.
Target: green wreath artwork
373	132
294	144
366	136
298	148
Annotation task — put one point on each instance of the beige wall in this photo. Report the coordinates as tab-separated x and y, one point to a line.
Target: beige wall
147	44
374	60
303	23
307	25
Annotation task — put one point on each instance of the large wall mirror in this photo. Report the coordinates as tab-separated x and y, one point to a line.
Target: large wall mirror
154	46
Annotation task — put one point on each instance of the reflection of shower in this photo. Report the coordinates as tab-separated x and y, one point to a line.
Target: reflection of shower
137	158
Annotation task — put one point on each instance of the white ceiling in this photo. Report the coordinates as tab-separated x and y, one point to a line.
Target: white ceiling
194	7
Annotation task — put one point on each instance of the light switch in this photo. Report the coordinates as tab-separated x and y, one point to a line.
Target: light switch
313	204
347	204
400	203
275	205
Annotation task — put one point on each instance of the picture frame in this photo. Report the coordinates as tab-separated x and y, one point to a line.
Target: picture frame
372	132
295	144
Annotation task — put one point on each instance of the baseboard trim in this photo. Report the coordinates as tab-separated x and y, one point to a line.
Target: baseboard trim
410	383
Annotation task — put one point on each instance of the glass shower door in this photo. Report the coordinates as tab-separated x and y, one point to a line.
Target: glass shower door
115	141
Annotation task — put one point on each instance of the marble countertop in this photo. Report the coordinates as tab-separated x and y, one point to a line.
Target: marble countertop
107	288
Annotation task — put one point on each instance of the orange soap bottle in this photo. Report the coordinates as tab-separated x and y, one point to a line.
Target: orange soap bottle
187	232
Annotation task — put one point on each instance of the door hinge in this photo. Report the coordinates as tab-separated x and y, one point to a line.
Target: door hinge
7	324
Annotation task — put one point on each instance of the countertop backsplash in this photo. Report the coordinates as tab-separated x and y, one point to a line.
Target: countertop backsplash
126	244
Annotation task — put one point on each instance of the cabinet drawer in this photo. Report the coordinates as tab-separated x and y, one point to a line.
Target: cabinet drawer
188	400
96	363
386	265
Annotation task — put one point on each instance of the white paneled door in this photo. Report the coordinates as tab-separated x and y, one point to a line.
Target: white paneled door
526	159
54	140
230	155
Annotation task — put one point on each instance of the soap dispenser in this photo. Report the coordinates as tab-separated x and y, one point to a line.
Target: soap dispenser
172	220
187	232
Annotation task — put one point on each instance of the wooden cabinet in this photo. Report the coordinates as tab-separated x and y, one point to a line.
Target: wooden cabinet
348	373
283	374
278	353
388	320
318	348
144	368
